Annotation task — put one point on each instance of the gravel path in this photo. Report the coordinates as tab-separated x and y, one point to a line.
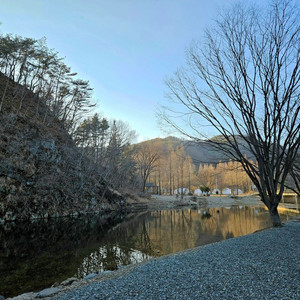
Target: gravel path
264	265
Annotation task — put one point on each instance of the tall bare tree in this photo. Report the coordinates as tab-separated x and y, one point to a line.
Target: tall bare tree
147	161
243	81
293	181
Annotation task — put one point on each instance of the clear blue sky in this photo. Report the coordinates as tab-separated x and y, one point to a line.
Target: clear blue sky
125	48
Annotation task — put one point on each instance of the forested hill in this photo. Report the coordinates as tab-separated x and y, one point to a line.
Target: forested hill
42	172
200	152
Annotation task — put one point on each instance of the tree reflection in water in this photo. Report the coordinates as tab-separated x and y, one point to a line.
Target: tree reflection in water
125	247
34	256
109	259
168	231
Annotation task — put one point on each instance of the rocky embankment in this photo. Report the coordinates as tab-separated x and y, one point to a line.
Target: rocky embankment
42	173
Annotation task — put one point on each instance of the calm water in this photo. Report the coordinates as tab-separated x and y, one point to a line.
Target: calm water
34	256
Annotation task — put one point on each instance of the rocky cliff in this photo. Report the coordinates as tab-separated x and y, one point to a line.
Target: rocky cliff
42	173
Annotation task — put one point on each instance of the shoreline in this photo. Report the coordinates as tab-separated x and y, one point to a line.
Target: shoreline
215	264
159	202
200	261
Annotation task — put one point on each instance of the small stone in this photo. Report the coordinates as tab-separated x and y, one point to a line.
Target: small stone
48	292
69	281
26	296
89	276
105	272
55	284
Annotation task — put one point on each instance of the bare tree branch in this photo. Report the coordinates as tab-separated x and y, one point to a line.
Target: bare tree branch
244	82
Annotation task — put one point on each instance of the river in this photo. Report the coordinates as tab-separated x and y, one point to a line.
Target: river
35	255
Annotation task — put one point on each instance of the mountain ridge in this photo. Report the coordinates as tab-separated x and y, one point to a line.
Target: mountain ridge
201	152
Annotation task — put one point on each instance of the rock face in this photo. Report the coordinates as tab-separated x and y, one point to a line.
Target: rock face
42	173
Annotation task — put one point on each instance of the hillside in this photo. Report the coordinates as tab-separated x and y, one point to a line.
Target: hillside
42	173
200	152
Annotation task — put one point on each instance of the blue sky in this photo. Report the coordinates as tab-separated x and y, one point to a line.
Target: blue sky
125	48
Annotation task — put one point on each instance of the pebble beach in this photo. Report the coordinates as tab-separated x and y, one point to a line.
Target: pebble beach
263	265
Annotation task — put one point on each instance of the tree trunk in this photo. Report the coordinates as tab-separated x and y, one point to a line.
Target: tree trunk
144	185
4	93
276	222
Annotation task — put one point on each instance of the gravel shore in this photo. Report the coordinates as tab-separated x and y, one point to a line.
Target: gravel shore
264	265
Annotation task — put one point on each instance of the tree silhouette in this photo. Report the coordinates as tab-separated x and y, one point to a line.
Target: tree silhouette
243	81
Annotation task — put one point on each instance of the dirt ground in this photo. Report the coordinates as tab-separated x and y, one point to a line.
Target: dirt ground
168	202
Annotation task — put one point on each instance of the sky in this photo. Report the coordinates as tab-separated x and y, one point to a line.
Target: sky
125	48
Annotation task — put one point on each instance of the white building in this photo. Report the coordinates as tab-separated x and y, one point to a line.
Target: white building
198	192
181	191
226	191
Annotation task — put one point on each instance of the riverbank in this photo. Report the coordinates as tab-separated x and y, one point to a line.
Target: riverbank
264	265
219	215
157	202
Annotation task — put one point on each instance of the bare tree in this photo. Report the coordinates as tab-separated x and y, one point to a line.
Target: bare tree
37	69
119	163
207	176
243	81
294	183
146	158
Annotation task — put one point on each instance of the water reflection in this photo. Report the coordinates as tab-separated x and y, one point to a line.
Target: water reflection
109	259
34	256
168	231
